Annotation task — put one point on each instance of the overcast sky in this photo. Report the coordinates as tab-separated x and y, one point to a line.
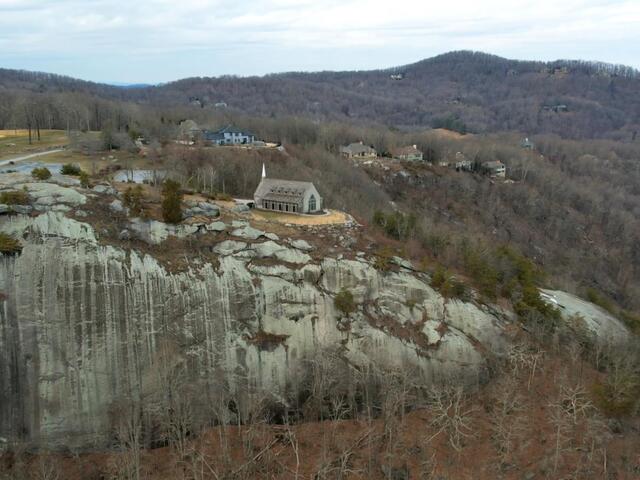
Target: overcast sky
154	41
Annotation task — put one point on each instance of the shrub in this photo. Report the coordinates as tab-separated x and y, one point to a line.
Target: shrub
617	398
447	285
484	275
439	277
9	245
41	173
14	197
383	259
133	199
344	302
603	302
458	289
631	319
520	278
224	197
436	244
84	179
70	169
171	202
396	224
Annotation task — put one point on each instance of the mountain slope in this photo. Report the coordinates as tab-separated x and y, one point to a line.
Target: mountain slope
481	92
487	93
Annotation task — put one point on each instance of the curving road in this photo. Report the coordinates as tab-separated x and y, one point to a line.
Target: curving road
27	157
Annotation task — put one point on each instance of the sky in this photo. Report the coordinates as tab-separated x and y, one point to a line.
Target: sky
153	41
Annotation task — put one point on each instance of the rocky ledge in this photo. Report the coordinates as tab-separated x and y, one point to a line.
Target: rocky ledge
82	323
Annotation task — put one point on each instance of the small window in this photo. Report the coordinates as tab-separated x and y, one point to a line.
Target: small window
312	203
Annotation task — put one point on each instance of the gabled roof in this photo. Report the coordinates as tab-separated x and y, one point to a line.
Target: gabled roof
493	164
283	190
219	134
408	150
357	147
232	129
212	136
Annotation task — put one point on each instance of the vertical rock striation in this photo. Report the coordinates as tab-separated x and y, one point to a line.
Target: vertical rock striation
81	325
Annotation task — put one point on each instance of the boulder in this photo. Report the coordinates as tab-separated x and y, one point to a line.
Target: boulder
302	245
248	232
106	189
48	194
55	208
605	327
229	247
197	209
401	262
240	208
271	249
150	231
117	206
216	227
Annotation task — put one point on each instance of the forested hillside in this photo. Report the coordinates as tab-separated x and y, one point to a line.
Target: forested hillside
434	322
574	209
466	91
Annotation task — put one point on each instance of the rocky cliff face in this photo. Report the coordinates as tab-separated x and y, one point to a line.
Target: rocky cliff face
82	323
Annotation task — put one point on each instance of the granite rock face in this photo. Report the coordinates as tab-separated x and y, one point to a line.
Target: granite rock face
82	324
603	326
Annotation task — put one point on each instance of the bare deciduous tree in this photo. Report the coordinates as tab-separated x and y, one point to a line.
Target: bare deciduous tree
451	414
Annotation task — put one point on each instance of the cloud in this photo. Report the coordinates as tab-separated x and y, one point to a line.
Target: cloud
159	40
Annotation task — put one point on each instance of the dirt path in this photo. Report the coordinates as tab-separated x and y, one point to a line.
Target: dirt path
27	157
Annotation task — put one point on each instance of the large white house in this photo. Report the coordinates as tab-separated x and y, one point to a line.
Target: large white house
229	136
287	196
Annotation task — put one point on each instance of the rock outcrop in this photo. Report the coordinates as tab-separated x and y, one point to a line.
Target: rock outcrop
82	323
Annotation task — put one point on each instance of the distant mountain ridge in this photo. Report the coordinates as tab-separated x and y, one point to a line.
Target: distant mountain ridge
477	91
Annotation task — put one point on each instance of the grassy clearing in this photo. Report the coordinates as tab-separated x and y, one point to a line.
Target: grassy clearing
92	164
16	142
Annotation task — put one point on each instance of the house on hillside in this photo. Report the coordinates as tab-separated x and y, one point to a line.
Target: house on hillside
558	108
494	168
528	144
462	163
229	136
287	196
358	150
410	153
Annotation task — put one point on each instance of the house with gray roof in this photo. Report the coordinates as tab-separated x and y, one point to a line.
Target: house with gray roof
409	153
289	196
229	135
494	169
528	144
358	150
